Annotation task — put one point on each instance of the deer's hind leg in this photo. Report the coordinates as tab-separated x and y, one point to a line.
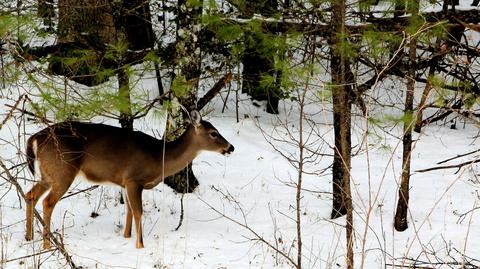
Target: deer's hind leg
31	199
64	178
134	198
128	221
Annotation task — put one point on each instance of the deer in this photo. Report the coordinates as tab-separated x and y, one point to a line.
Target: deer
106	154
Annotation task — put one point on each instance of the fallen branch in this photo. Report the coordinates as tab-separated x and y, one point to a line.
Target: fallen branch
214	91
28	256
459	156
460	165
144	111
458	104
418	264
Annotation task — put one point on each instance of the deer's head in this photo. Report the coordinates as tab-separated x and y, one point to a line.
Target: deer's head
207	137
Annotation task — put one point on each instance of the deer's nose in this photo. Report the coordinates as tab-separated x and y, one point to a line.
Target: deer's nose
230	149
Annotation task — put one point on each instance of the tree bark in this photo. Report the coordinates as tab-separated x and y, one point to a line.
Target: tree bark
126	118
46	11
189	61
341	125
342	104
256	63
400	221
138	26
93	24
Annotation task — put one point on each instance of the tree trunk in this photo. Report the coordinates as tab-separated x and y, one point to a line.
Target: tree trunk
342	152
88	22
46	11
400	222
189	61
256	63
138	26
400	6
87	26
342	104
126	118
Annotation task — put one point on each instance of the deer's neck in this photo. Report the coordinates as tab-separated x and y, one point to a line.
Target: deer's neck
179	153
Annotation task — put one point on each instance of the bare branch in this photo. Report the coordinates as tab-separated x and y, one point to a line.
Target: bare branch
460	165
214	90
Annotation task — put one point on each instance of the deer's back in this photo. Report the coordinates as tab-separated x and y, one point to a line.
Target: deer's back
101	152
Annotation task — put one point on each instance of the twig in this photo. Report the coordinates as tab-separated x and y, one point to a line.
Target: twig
24	111
244	225
29	256
142	112
436	117
462	216
181	213
80	191
10	113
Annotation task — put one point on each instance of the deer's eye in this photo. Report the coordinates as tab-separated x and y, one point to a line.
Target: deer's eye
214	134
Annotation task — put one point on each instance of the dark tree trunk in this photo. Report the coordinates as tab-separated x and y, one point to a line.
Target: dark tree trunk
126	118
184	181
401	214
188	16
400	6
91	24
342	79
138	27
46	11
256	63
342	105
400	222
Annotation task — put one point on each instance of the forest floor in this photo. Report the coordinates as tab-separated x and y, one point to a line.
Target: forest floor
250	196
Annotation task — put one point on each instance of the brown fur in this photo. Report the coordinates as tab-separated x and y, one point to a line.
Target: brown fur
129	159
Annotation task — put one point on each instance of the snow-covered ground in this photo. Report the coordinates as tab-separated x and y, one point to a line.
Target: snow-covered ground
254	187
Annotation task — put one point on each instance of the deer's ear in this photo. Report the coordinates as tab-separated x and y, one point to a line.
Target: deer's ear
196	118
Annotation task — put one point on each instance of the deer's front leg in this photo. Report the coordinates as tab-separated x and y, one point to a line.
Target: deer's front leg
134	198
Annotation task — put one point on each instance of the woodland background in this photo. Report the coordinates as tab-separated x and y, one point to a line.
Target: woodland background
338	110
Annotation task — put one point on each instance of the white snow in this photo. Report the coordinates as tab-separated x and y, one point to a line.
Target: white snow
255	187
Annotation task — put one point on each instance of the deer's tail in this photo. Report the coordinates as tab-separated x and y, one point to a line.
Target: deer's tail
31	148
